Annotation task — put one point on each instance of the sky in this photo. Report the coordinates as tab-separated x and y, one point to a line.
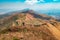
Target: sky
13	5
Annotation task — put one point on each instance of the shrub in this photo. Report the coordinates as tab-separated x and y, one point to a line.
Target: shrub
14	38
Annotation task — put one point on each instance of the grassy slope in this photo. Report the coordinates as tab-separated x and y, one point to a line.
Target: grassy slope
28	32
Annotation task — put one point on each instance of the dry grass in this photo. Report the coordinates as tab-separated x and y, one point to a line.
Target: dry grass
26	33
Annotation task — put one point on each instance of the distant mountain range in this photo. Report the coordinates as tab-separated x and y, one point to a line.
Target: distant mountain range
53	13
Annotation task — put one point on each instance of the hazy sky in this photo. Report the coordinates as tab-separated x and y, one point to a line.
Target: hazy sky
12	5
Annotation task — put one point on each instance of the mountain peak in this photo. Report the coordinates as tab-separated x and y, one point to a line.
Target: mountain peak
27	10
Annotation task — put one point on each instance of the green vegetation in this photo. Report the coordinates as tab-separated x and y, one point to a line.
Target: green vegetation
14	38
15	17
4	31
25	30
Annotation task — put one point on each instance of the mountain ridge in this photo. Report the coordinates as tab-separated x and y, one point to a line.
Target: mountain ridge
29	25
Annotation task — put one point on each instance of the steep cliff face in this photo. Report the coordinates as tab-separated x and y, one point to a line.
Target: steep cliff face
29	26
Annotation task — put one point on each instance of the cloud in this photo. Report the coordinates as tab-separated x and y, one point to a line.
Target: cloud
41	1
20	6
47	6
31	1
2	11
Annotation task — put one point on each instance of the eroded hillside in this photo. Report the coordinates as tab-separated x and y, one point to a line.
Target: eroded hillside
29	26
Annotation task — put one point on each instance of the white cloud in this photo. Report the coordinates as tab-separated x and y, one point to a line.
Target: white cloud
41	1
31	1
2	11
20	6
